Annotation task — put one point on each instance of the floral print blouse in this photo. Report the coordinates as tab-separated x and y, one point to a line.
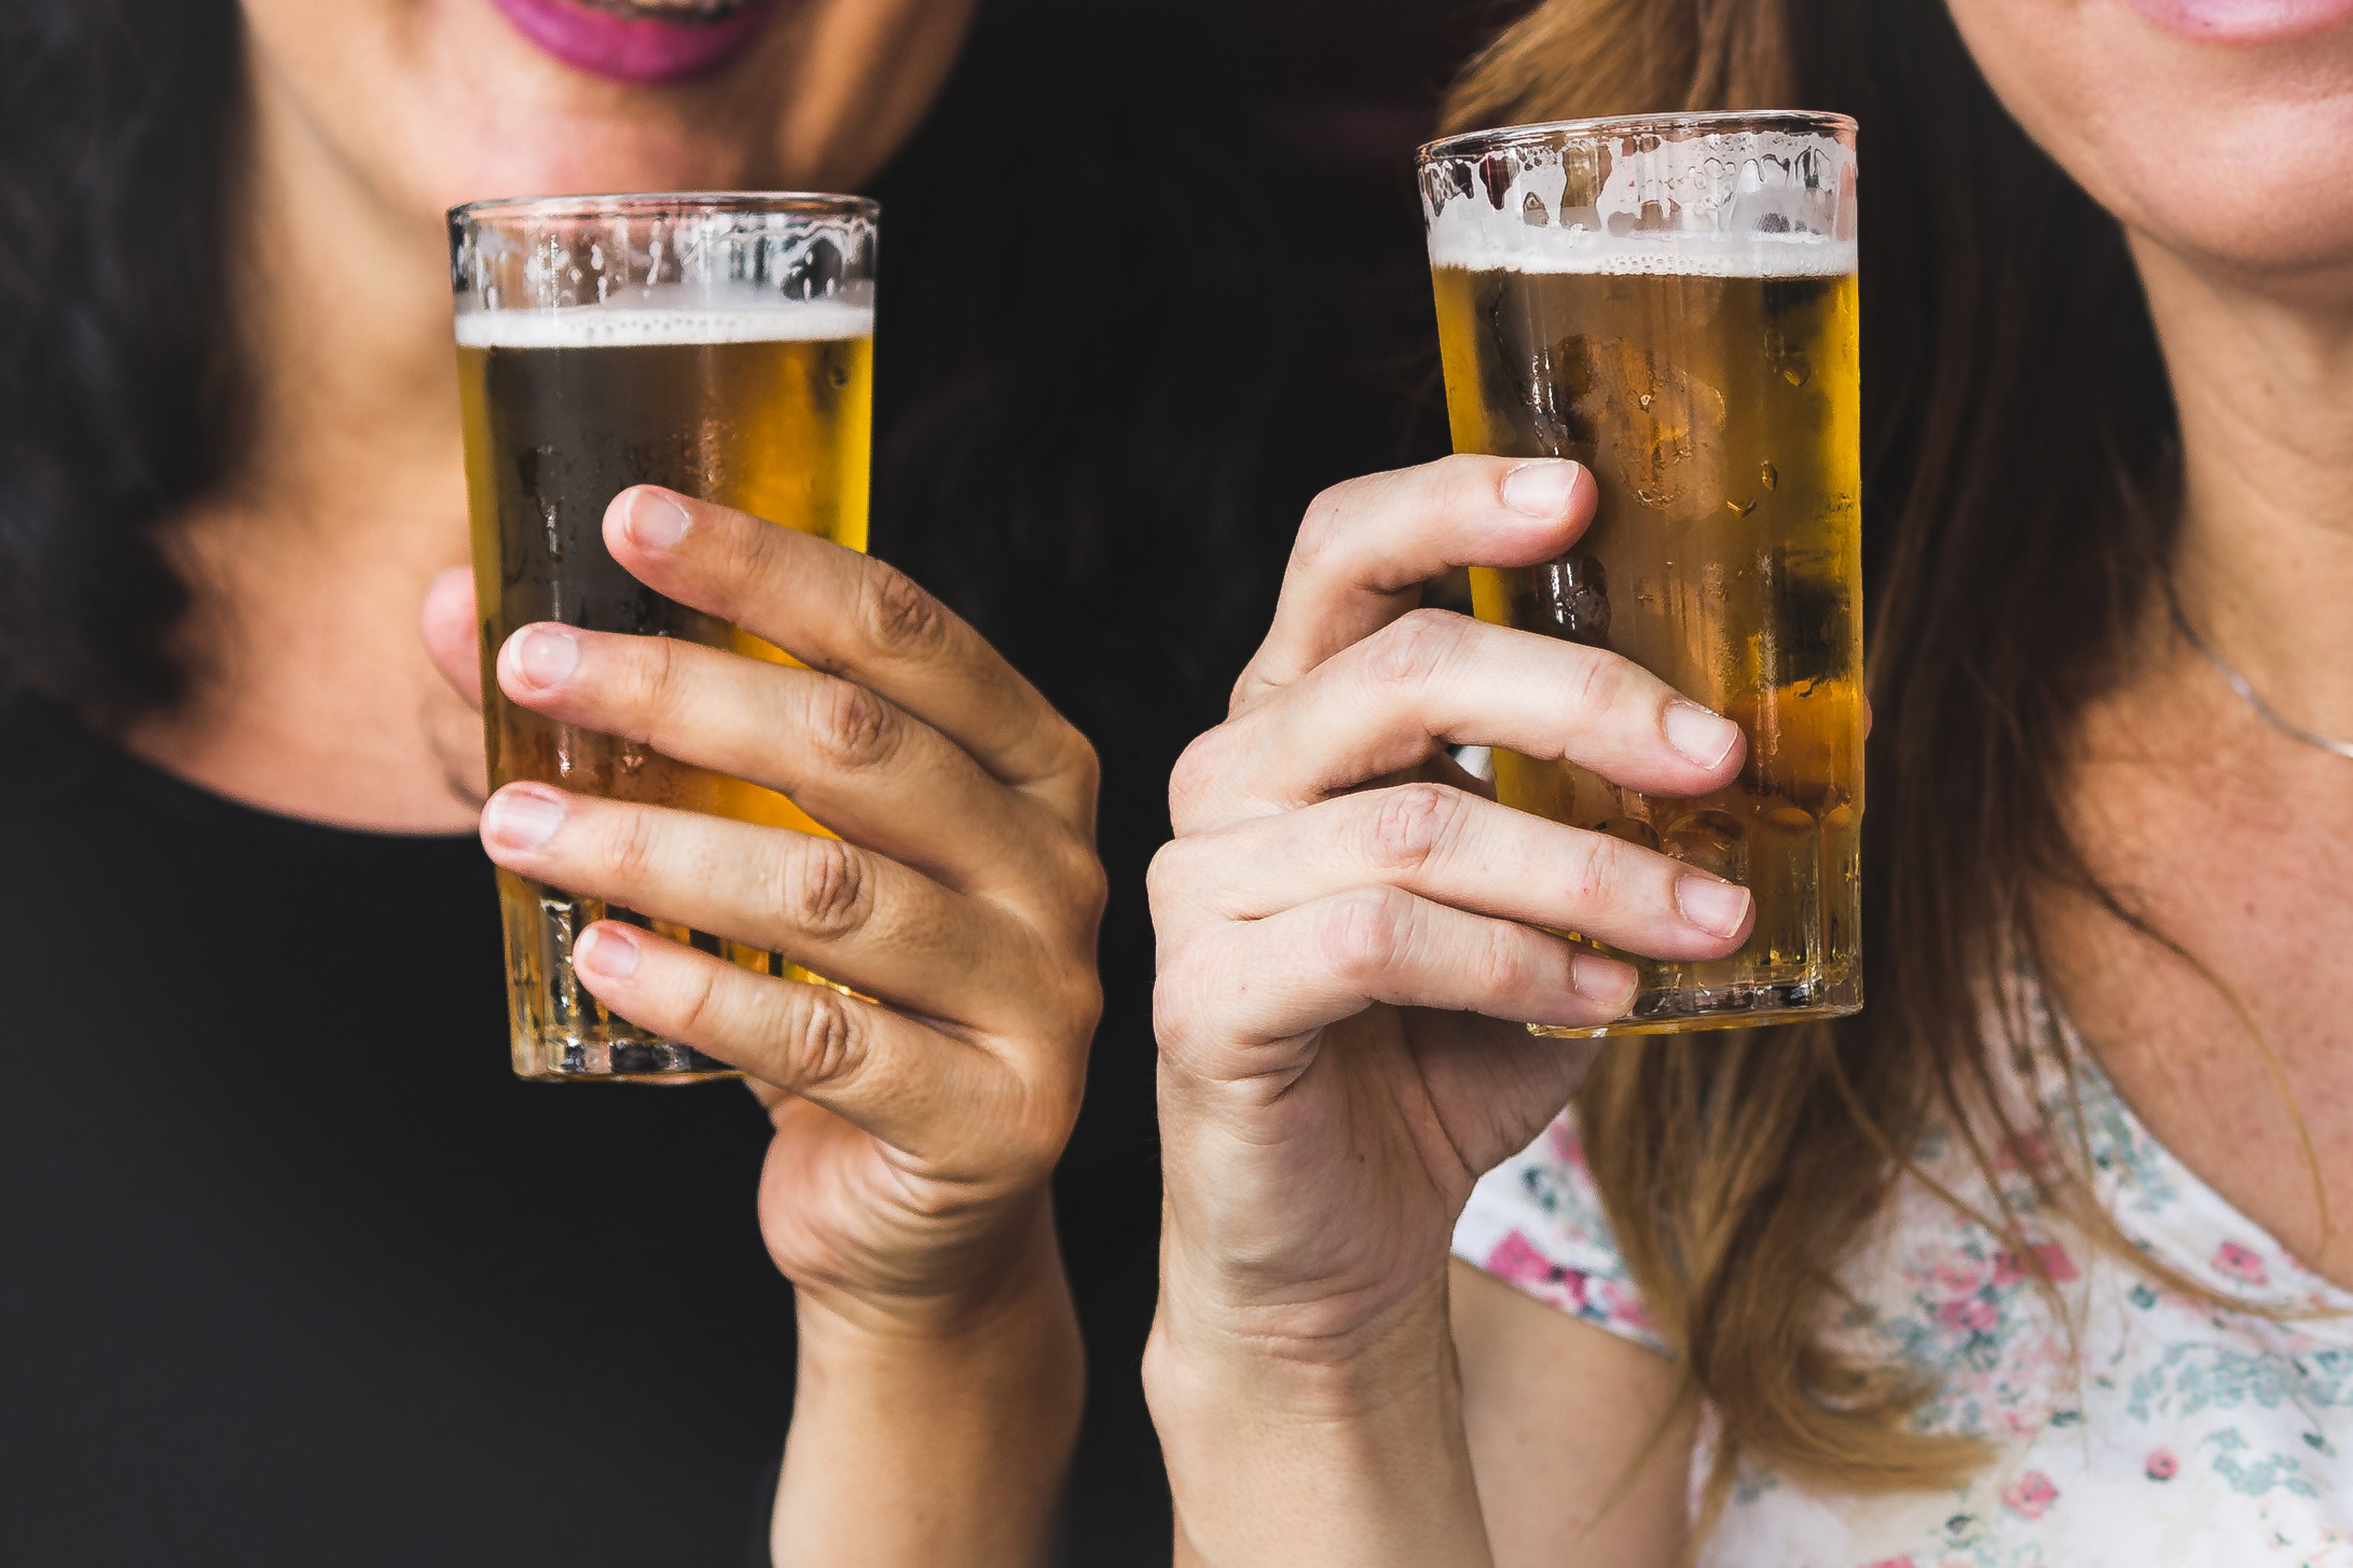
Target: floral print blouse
2162	1431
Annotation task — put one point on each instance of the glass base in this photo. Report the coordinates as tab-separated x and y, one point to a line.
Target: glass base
636	1059
1686	1010
559	1031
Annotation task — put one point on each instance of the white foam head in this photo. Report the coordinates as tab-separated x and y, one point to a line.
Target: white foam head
632	322
1745	204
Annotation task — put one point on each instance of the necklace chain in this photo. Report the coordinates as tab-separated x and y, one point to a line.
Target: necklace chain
2255	700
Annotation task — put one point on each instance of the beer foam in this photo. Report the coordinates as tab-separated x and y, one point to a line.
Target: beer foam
1745	204
1585	253
628	325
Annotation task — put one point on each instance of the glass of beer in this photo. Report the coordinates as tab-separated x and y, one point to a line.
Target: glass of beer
1670	302
720	345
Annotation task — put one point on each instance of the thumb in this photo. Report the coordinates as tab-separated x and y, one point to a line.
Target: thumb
451	637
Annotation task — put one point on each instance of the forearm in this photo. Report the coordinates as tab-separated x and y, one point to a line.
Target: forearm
942	1444
1354	1459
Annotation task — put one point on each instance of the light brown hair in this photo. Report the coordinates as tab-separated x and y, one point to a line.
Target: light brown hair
2019	443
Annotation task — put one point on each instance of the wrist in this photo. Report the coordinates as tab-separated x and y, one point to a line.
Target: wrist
1363	1435
1000	1280
1327	1333
1289	1360
934	1428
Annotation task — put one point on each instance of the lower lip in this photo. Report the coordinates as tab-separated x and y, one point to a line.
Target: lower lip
633	49
2245	21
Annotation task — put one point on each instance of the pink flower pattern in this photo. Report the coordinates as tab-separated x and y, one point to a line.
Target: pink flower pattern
2243	1264
2093	1383
2031	1494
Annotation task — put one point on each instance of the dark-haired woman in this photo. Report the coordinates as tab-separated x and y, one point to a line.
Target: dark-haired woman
2042	1259
290	1269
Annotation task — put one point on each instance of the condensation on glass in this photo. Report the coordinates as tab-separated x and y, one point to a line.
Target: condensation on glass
720	345
1672	301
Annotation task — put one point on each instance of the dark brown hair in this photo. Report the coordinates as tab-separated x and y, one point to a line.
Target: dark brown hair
2019	437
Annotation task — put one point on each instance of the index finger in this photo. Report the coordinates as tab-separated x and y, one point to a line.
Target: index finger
1367	546
846	614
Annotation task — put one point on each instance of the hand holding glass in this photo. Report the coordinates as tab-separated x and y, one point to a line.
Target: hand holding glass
721	346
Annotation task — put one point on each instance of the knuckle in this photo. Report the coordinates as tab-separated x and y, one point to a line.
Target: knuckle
740	545
1087	885
823	1040
1192	779
855	728
1592	870
1176	999
699	1011
659	675
1497	964
1084	763
1168	877
1414	646
1598	682
1082	993
1365	932
824	889
630	841
1411	825
1321	526
1473	481
897	616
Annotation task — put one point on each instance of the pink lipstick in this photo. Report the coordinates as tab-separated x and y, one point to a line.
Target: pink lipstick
639	43
2245	21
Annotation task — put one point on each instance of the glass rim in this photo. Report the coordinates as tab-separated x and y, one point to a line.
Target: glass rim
1465	143
667	204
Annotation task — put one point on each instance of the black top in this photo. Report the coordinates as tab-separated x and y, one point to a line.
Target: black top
293	1271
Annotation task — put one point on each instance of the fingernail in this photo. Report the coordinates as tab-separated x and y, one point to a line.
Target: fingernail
1715	907
1604	982
606	951
1540	488
1704	737
655	520
546	655
523	816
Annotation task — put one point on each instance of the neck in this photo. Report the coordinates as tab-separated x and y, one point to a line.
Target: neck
2265	567
314	695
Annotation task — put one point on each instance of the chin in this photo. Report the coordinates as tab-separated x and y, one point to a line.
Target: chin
439	102
2231	151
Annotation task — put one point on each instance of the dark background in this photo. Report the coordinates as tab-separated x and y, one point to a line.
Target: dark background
1153	275
292	1268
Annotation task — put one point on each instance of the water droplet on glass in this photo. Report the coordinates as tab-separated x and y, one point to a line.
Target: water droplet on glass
1771	475
1740	508
1797	370
838	376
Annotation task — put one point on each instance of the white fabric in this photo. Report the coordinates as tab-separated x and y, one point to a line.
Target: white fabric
2164	1431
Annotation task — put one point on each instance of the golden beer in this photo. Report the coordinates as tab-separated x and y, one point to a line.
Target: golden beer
756	399
1707	373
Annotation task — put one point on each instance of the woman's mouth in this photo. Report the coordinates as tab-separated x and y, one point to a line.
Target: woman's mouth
2245	21
639	40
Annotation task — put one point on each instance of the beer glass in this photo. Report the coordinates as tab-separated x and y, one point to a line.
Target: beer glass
720	345
1670	302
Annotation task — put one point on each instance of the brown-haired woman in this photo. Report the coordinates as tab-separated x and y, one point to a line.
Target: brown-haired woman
2033	1261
